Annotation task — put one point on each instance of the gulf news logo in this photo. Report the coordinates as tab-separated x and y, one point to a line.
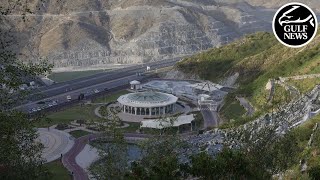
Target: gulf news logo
295	25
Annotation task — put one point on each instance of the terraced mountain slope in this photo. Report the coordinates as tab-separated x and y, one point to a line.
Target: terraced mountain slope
82	33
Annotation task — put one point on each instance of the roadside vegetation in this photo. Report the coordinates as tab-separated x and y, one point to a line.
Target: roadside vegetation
77	112
110	97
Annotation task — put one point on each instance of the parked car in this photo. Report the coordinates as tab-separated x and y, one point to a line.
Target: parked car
41	102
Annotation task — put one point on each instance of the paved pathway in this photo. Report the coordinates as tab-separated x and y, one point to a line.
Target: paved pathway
87	156
69	159
249	108
210	117
55	143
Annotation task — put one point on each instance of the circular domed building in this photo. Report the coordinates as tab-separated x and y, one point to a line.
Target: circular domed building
148	103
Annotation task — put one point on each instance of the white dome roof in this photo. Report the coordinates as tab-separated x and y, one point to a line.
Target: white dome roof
135	82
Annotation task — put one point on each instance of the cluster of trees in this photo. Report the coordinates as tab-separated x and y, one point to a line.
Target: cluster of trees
20	155
161	159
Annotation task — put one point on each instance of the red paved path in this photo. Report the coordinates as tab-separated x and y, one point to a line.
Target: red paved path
69	159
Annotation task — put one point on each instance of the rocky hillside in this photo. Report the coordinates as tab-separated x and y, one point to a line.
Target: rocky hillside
257	58
82	33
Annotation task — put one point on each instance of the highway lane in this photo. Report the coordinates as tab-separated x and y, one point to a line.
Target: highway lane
88	85
61	98
98	78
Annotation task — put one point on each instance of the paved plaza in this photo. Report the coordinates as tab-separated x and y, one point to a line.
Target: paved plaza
55	143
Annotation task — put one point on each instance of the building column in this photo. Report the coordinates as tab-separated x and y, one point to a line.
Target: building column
150	111
135	111
164	110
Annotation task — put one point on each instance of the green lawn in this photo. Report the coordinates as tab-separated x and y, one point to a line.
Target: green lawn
305	85
79	133
133	127
67	76
77	112
110	97
311	155
232	110
58	171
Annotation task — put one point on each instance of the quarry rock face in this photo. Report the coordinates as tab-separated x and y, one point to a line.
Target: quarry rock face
83	33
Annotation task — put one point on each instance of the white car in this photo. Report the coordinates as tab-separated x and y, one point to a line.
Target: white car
69	98
96	91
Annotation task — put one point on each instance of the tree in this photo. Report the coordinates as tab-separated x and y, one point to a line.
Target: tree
160	159
113	150
160	155
314	172
20	155
114	161
228	164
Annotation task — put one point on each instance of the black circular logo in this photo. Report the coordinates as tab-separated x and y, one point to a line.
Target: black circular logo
295	25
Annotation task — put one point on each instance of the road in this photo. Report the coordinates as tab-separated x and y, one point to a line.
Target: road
69	159
249	108
102	77
210	117
88	85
